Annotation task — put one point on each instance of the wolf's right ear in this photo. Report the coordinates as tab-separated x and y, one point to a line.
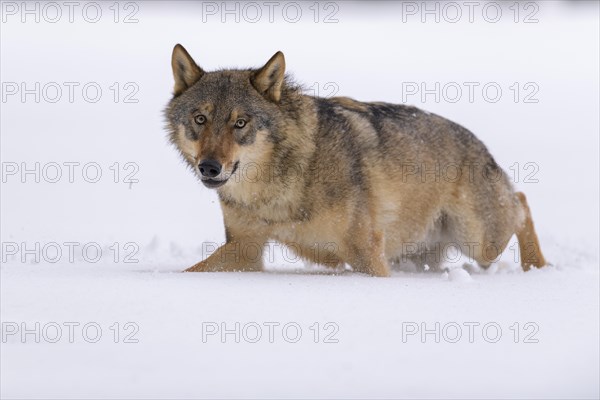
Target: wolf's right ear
185	71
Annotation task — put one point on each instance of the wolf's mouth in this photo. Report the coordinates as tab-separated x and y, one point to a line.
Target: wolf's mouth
215	183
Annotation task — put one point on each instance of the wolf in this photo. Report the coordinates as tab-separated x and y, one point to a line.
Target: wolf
339	181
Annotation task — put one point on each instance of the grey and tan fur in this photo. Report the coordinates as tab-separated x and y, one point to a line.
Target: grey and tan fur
337	180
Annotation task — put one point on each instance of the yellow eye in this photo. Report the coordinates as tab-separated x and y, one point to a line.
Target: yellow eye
240	123
200	119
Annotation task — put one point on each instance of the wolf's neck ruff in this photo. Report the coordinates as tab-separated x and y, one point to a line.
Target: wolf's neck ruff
268	181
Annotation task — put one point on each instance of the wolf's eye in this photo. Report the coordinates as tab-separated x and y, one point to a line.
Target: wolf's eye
200	119
240	123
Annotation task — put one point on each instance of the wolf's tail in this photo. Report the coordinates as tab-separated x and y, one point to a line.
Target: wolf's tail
529	245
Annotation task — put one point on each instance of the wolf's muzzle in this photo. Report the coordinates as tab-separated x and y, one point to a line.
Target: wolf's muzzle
207	172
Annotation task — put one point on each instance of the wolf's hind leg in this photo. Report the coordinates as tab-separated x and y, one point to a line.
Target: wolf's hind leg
471	234
529	245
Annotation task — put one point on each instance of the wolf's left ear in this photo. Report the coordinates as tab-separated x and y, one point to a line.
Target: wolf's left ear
269	79
185	70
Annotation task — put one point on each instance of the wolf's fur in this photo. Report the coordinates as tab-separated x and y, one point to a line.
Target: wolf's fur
337	180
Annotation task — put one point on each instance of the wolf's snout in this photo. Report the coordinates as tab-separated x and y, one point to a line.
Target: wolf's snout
209	168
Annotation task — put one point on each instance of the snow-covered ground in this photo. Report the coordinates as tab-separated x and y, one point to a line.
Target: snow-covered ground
109	248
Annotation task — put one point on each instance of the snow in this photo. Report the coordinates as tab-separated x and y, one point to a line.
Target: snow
459	275
456	333
369	360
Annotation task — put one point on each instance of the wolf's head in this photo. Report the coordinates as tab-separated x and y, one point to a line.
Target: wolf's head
221	120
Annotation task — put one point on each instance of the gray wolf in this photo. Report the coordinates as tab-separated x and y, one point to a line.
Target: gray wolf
338	180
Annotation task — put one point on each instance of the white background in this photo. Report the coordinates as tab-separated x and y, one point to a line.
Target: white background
372	52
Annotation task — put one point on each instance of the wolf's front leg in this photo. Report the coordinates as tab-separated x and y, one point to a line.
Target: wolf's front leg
233	256
367	253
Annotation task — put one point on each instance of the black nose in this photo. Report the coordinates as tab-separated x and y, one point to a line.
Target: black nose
210	168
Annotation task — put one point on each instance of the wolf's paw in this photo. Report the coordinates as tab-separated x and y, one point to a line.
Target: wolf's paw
200	267
204	266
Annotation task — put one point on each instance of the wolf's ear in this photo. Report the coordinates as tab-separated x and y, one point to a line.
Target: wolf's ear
185	70
268	79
